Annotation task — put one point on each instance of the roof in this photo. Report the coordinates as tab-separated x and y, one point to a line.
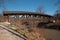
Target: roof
5	13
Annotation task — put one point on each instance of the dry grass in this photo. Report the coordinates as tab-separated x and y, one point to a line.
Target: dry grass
33	35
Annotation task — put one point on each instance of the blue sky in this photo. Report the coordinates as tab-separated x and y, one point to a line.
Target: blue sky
31	5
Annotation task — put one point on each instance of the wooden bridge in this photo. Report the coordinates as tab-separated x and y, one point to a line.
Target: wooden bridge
34	19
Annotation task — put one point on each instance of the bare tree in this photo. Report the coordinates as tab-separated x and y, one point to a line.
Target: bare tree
40	9
57	12
57	4
2	3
